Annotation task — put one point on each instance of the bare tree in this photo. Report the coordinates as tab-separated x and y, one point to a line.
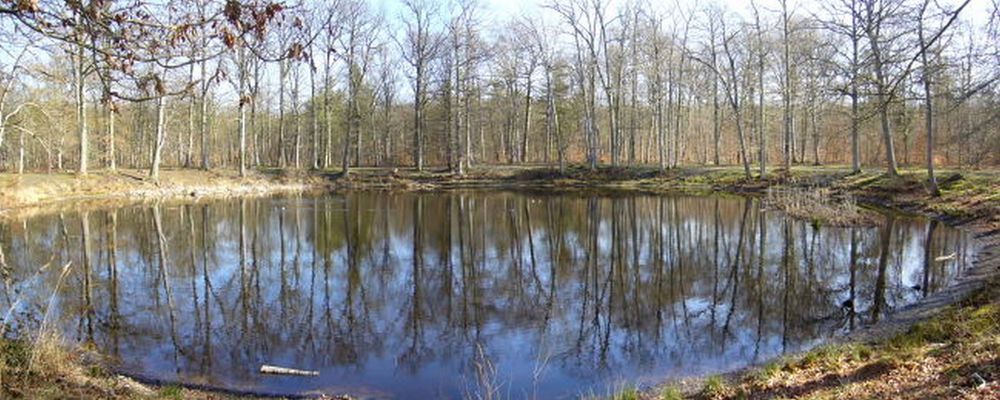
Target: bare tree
843	21
761	51
422	44
881	21
357	47
544	43
466	55
585	25
787	90
10	106
927	80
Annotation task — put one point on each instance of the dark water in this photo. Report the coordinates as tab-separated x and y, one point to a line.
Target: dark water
449	295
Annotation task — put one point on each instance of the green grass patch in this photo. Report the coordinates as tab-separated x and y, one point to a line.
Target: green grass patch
715	386
629	393
170	392
834	355
768	371
671	392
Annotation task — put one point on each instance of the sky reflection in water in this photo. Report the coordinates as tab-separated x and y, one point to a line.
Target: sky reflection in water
444	295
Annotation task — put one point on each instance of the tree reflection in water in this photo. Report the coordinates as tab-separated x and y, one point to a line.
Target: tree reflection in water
411	295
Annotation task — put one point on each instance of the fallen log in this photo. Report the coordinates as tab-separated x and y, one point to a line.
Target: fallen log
271	369
946	258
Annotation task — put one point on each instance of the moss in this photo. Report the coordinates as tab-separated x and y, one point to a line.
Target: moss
983	321
832	356
948	209
816	223
170	392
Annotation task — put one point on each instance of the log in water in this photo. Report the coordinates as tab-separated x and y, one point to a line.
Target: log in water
270	369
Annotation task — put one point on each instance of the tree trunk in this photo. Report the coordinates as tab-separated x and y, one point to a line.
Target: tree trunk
527	120
282	74
761	132
928	110
112	157
243	138
296	119
882	86
81	113
855	112
203	115
313	117
418	119
189	151
787	98
161	126
20	152
327	126
244	97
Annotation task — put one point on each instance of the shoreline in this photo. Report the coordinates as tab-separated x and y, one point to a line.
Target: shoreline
979	217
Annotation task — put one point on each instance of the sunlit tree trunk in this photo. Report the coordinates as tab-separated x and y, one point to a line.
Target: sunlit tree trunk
81	113
161	136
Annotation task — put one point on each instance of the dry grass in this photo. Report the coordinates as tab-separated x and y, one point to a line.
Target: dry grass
486	383
44	368
25	195
818	206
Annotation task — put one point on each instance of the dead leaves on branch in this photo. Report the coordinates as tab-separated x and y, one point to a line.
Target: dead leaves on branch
249	17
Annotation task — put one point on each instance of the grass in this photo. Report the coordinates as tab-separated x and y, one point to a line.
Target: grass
42	368
170	392
715	387
46	369
670	392
629	393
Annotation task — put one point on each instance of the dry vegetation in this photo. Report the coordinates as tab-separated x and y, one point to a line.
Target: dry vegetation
33	191
44	368
818	206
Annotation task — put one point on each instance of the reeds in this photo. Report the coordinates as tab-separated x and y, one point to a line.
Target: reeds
38	353
818	206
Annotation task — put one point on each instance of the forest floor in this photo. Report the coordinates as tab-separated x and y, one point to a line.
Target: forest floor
948	347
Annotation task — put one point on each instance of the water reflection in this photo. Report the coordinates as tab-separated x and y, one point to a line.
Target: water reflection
448	295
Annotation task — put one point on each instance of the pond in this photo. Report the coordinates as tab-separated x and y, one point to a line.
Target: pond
454	294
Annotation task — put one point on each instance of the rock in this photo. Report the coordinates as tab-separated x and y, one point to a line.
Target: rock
978	380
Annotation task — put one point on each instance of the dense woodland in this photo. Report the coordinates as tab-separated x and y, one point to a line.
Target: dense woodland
312	84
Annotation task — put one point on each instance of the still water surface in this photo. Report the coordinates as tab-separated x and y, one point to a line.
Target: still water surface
449	295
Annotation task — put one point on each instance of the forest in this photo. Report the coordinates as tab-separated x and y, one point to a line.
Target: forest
334	85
